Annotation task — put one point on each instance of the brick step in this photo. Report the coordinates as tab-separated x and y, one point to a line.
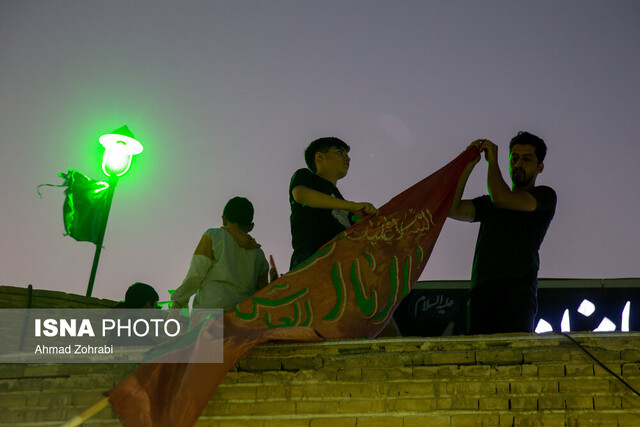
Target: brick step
425	388
561	373
432	419
332	404
58	405
490	381
24	415
45	370
89	382
49	398
448	418
339	397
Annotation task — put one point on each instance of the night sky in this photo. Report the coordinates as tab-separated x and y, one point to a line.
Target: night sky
225	96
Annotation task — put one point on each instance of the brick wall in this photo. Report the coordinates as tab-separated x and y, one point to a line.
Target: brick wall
502	380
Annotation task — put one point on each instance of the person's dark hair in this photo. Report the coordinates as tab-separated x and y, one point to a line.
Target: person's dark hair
530	139
239	211
322	145
139	294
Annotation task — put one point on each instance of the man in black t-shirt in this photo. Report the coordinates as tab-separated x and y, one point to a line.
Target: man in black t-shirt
318	210
513	223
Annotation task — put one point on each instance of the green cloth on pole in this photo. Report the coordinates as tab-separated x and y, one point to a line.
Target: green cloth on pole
84	207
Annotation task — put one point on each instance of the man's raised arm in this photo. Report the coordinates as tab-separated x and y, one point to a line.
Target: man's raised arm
464	210
501	195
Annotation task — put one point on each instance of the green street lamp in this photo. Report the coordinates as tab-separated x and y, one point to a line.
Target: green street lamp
118	152
119	148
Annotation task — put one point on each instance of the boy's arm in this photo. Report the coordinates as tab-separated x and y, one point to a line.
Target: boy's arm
198	268
317	199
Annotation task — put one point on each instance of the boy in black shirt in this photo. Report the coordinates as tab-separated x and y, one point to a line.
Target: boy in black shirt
318	210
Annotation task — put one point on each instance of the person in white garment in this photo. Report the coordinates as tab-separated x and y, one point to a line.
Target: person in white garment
227	266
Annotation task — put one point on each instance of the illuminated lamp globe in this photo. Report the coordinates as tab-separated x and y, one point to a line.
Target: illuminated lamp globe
118	151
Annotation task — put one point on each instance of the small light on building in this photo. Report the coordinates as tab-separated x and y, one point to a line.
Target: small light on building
543	326
626	313
586	308
605	326
565	325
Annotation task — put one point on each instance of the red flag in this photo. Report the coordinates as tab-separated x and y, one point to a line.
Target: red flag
348	289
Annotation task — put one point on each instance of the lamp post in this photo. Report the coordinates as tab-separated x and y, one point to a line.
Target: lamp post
119	148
